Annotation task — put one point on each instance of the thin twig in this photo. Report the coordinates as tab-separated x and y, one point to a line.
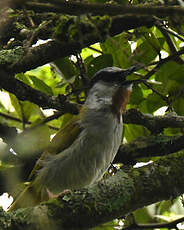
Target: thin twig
82	69
169	41
164	98
172	33
22	114
94	49
32	24
7	116
24	92
161	62
47	119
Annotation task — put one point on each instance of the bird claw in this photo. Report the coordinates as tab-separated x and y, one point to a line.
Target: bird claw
61	194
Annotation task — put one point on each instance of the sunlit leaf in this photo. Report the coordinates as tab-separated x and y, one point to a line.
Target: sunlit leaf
24	78
98	63
86	52
40	85
16	104
120	50
45	74
31	111
65	68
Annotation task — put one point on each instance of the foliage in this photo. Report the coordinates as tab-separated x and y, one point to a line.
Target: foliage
68	75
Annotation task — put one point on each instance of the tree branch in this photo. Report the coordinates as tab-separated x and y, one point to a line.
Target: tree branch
109	199
47	119
77	8
155	124
25	92
152	146
64	44
169	41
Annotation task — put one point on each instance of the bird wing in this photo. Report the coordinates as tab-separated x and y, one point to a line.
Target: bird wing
62	140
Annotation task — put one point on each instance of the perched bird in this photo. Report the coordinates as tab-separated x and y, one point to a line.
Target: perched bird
83	150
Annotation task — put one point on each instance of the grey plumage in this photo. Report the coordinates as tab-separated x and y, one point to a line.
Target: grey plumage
90	155
91	145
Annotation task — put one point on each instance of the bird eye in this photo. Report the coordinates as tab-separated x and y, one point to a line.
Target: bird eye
116	84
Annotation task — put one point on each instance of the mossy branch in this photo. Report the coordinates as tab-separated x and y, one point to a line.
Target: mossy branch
77	8
155	124
148	147
25	92
69	35
111	198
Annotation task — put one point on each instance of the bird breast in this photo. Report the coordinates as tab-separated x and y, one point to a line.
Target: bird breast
103	137
87	159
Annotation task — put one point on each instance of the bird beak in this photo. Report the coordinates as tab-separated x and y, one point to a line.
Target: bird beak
132	69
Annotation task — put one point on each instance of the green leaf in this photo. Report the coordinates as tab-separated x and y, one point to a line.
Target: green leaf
143	215
164	206
136	96
35	82
24	78
25	109
158	34
40	85
152	40
88	59
172	131
171	76
179	106
46	74
170	71
145	53
65	68
120	50
98	63
132	132
108	226
16	104
86	52
31	111
152	103
5	166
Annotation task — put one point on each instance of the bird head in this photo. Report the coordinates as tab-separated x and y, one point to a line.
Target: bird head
109	87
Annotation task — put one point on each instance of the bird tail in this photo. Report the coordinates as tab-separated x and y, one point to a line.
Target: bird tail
27	198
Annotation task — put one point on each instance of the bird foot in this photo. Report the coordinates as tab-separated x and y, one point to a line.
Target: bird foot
61	194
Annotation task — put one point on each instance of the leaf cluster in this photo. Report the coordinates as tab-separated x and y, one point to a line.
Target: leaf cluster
59	68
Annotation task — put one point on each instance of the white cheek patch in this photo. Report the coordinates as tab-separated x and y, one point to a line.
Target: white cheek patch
121	119
129	88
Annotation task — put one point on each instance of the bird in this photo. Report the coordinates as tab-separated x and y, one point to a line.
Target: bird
82	151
